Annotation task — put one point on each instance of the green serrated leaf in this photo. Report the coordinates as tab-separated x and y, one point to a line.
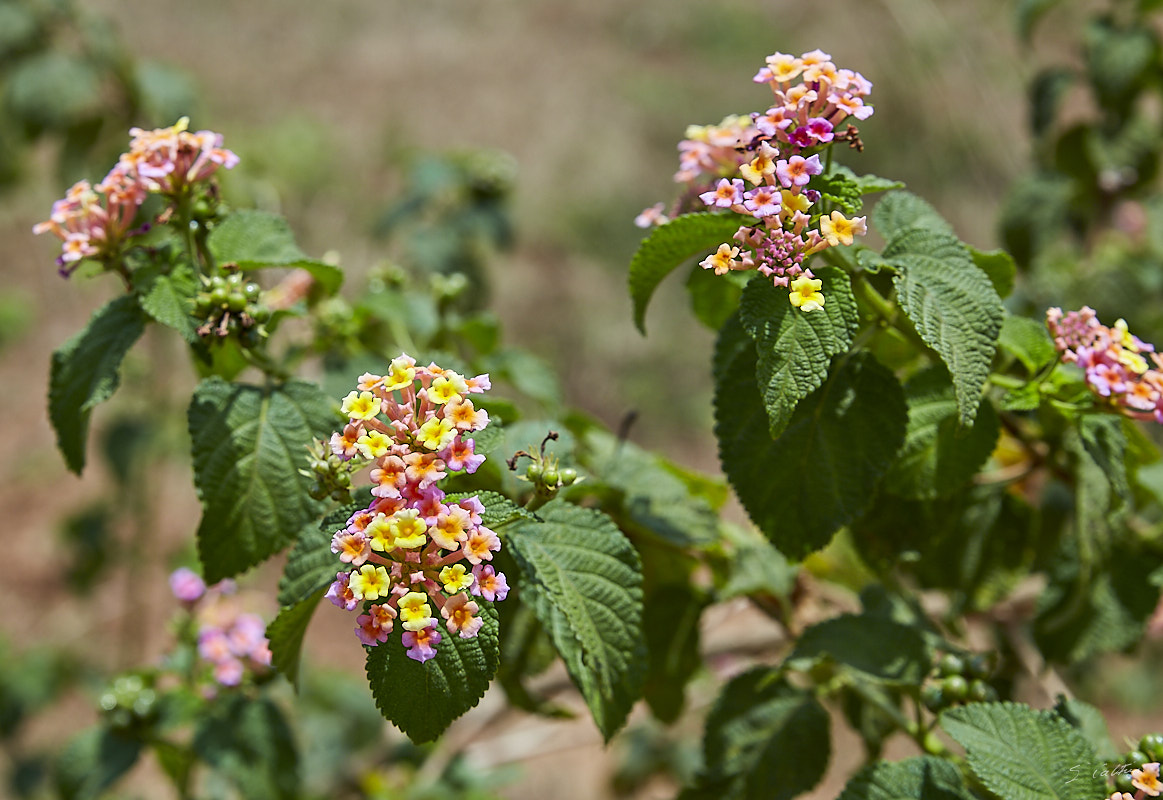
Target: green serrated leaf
868	184
249	741
286	633
918	778
650	496
1090	722
939	456
94	761
670	245
874	647
423	699
844	436
1106	443
713	297
248	444
794	347
256	239
953	305
901	211
764	740
170	299
999	267
583	579
840	189
499	510
86	371
671	620
754	566
1022	754
1028	341
311	564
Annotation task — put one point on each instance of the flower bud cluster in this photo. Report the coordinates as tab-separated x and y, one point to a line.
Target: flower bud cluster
93	221
231	641
229	305
1120	368
756	166
412	554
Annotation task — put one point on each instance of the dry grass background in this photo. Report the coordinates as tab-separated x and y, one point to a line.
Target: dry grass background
323	100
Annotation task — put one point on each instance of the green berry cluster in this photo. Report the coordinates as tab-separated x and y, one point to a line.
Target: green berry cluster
228	305
130	702
1150	749
958	679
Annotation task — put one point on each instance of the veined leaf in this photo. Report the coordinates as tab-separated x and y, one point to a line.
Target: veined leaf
286	632
422	700
670	245
249	741
93	761
795	347
248	445
824	468
1028	341
919	778
86	371
898	212
311	564
583	579
256	239
939	456
953	305
999	267
873	646
1022	754
169	300
765	740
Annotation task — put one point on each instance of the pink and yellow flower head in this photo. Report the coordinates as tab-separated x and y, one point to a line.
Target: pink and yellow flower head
413	550
96	221
762	166
1146	779
1114	361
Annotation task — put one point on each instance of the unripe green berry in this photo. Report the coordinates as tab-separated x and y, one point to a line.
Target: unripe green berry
219	295
1137	757
980	691
950	665
550	477
533	472
933	697
1152	745
234	280
955	687
1123	782
980	666
252	291
568	476
259	314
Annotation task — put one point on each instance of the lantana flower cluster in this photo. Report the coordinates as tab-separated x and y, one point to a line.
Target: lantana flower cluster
93	220
230	640
756	166
415	558
1122	369
1145	780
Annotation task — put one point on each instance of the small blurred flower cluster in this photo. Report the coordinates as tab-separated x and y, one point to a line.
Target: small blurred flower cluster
410	549
230	640
1120	368
93	221
760	166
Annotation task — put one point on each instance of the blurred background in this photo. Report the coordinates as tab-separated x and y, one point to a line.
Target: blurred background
337	110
